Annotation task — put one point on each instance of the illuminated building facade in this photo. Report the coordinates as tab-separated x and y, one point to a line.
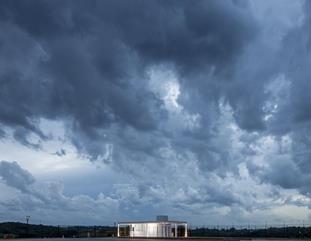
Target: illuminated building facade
161	228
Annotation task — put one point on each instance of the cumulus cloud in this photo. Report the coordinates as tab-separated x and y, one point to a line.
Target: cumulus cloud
33	197
13	175
187	100
288	111
88	63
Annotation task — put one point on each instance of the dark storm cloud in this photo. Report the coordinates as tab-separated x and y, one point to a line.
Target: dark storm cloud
203	36
292	114
243	106
67	81
293	110
86	64
13	175
86	61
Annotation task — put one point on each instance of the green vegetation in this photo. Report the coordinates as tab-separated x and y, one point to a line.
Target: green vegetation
21	230
272	232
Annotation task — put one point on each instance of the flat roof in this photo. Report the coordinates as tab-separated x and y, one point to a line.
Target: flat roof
129	222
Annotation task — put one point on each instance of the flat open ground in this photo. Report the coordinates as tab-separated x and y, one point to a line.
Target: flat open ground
150	239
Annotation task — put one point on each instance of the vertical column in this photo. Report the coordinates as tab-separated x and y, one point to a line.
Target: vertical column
175	230
186	230
118	234
157	232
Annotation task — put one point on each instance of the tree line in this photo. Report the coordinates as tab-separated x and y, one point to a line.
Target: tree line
23	230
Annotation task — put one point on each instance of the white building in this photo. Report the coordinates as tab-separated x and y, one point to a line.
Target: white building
162	228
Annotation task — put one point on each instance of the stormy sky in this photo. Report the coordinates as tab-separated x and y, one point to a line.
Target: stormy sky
122	110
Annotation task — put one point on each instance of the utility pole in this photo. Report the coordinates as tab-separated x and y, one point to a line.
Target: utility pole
27	228
303	228
41	230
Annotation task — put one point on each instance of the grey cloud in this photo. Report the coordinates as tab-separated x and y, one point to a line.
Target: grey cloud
13	175
35	197
89	68
199	40
60	152
86	64
291	114
93	100
89	62
2	133
283	172
22	135
294	110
